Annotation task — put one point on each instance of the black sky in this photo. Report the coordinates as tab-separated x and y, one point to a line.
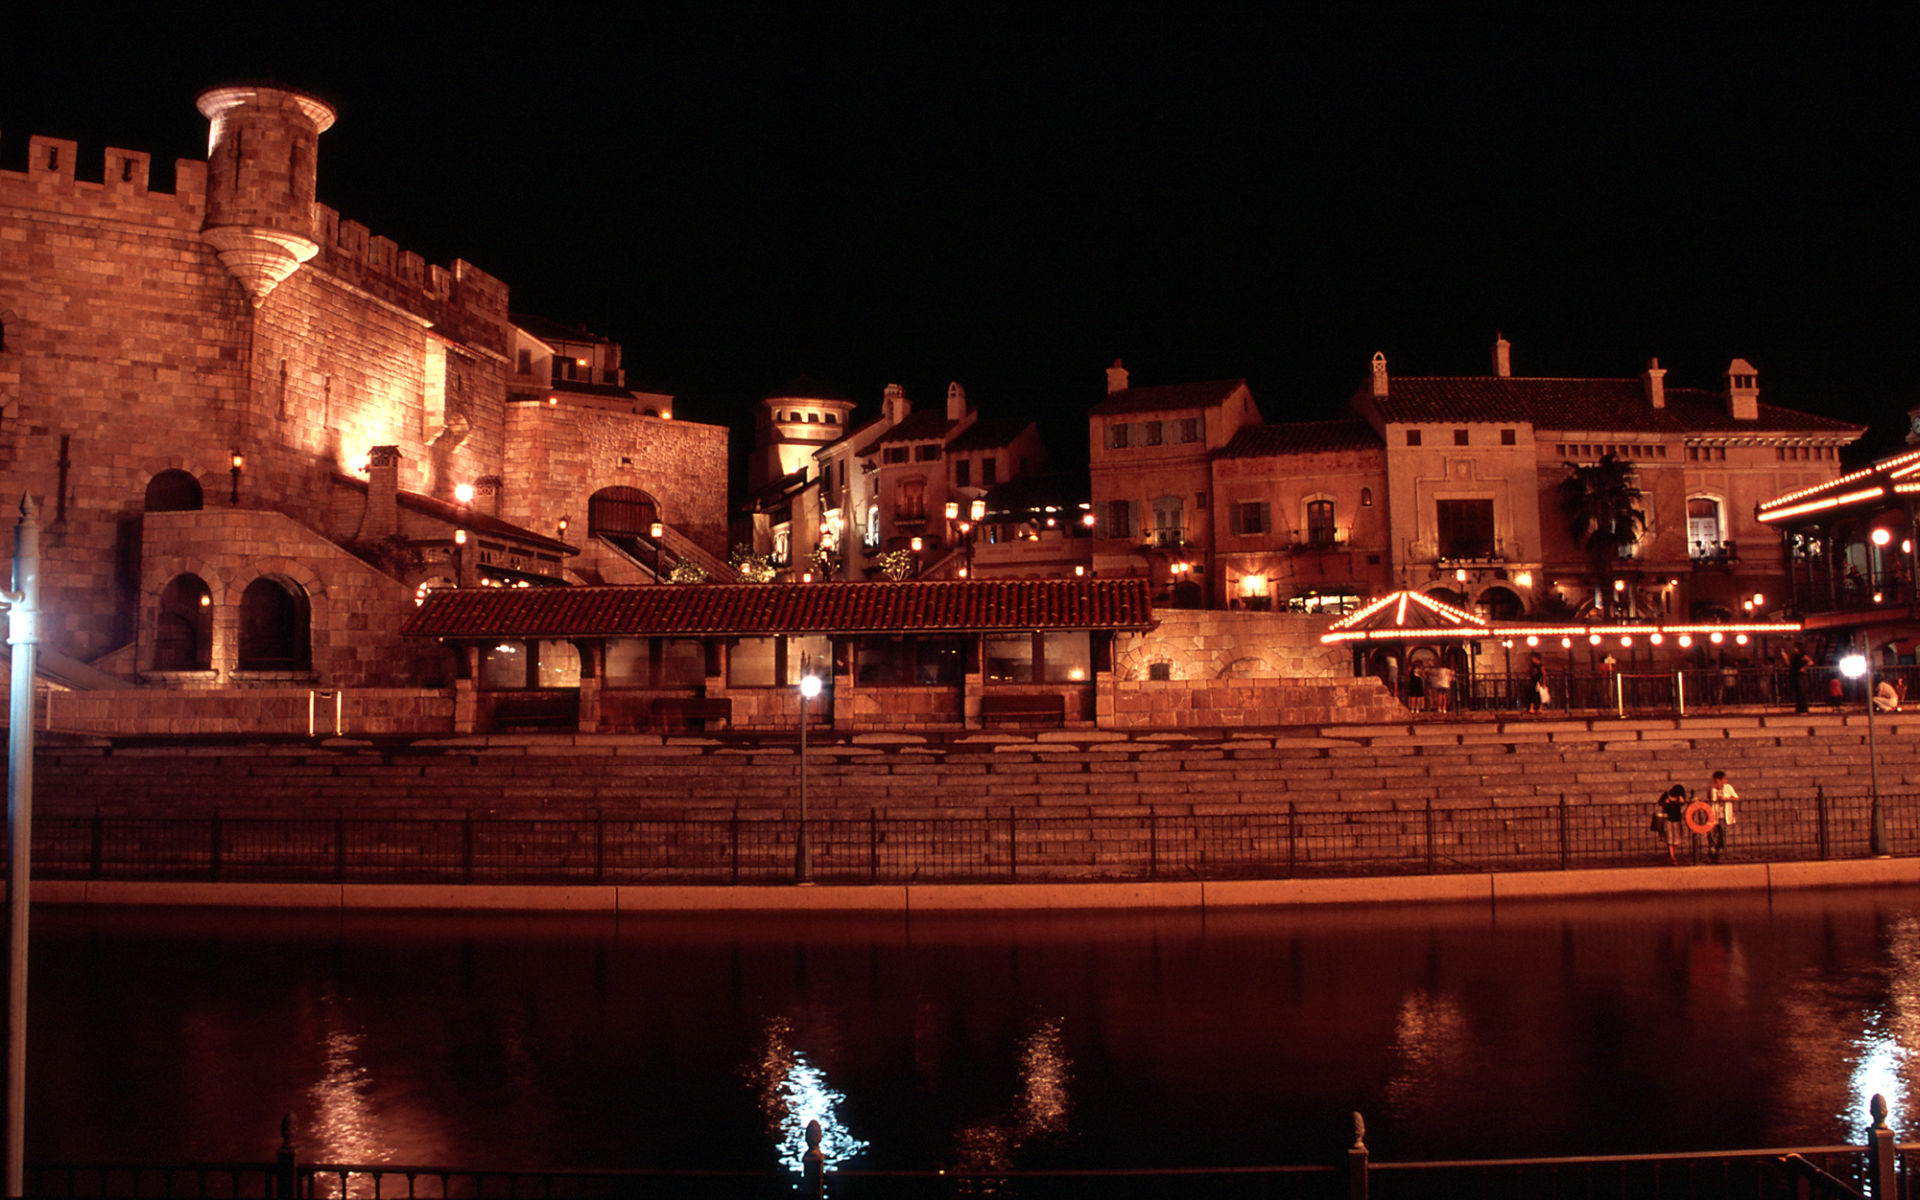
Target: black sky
1014	196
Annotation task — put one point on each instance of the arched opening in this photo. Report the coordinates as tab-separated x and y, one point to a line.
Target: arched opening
621	512
1501	604
274	627
173	491
183	630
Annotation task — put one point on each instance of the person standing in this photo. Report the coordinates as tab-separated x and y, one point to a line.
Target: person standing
1721	796
1440	686
1672	808
1536	682
1799	666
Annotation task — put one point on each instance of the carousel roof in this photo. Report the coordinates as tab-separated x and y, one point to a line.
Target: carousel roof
1413	616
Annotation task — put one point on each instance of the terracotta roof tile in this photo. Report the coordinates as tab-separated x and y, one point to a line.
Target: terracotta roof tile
776	608
923	426
1301	437
1583	404
1168	397
990	433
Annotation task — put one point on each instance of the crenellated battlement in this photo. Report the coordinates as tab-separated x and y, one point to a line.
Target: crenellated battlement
463	301
50	182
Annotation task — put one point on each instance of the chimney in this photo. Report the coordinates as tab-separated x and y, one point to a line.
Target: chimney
1380	376
1501	364
1655	378
956	402
1116	378
383	493
1743	391
893	404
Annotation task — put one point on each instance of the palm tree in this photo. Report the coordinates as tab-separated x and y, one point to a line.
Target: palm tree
1603	512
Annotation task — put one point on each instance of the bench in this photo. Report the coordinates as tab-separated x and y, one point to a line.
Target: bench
553	710
1047	707
673	714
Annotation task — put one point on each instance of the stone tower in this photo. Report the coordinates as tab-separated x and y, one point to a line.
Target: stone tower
262	143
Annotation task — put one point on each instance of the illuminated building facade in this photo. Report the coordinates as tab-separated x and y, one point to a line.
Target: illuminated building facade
258	430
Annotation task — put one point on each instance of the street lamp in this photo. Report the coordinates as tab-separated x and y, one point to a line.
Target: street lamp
915	544
1854	666
654	531
459	542
236	462
803	848
23	639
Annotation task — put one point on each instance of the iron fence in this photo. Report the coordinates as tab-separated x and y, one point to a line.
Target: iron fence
1284	841
1646	692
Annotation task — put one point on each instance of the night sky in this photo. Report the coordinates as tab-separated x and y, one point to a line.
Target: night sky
1014	197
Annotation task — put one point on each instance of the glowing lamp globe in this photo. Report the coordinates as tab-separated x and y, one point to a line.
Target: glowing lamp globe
809	686
1853	666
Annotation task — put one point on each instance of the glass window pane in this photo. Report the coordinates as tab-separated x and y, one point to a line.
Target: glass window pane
812	653
1010	658
938	660
683	662
1069	656
628	663
880	660
750	662
559	665
504	666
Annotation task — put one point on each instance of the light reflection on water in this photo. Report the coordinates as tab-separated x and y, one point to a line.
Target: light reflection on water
794	1092
1171	1039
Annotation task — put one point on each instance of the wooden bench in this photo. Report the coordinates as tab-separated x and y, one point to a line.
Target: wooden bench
675	713
553	710
1044	707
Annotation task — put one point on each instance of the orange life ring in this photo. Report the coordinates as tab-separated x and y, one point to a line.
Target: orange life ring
1698	815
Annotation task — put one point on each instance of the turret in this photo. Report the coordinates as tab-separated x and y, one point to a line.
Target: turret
262	142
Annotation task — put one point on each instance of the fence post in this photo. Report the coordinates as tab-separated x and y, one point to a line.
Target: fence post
286	1173
1357	1160
99	848
213	845
813	1166
873	845
1881	1179
1620	695
1680	690
1820	818
1565	853
1013	844
1153	843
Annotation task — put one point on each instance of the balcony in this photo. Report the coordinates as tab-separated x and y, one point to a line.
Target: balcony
1706	554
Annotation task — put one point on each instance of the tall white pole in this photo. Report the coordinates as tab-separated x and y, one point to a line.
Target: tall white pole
22	637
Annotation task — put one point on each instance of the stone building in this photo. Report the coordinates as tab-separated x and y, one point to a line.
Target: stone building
257	430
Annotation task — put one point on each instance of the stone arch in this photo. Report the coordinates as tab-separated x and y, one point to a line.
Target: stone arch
183	625
1501	603
1446	595
276	626
173	490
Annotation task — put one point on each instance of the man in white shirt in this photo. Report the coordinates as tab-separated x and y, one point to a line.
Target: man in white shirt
1721	797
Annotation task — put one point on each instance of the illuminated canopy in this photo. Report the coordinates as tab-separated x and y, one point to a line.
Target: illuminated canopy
1411	616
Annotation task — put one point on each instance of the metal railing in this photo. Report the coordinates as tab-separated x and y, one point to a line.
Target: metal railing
1659	692
1280	842
1879	1167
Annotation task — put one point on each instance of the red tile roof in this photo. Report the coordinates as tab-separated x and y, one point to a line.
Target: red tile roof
1168	397
1302	437
1581	404
989	433
926	425
777	608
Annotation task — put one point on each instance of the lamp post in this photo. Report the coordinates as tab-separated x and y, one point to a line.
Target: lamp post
654	531
23	637
236	462
803	846
915	544
459	557
1855	666
969	529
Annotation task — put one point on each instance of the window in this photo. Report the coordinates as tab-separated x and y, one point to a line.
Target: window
1465	528
904	661
832	418
1189	429
989	472
1119	519
813	418
173	491
928	453
1366	497
537	664
556	665
1117	436
1704	531
1150	433
783	545
1413	437
1066	656
1460	437
910	500
1507	437
963	472
1250	517
1320	522
1200	501
1010	658
870	536
1169	521
750	662
895	454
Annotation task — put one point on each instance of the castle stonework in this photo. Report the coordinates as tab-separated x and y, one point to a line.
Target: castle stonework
191	383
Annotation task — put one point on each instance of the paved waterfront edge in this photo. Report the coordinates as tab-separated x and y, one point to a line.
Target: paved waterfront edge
1018	897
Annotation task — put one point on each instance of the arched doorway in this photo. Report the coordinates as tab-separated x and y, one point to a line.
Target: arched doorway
274	626
1501	604
621	512
173	491
183	628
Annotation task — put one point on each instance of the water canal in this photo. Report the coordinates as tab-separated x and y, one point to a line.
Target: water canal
1100	1039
